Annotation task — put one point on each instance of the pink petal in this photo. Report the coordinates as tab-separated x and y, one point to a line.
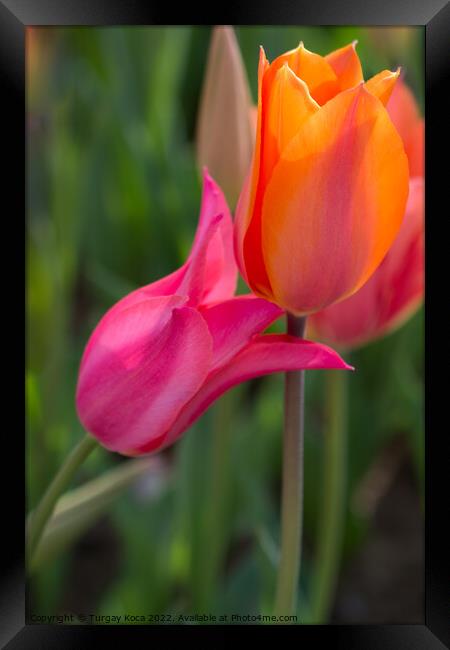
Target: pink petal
147	362
200	264
264	355
210	273
234	322
404	113
187	281
220	270
146	321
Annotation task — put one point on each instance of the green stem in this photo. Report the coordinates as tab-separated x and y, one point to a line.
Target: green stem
332	509
292	487
38	519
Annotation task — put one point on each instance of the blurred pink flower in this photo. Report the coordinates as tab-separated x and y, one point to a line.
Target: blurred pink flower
404	112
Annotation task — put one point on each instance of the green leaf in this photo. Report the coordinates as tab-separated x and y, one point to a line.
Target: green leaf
78	509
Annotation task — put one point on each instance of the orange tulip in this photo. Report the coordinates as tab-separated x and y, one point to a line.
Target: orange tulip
395	290
328	185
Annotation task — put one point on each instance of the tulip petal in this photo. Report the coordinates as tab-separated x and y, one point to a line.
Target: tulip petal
382	84
220	270
142	320
334	203
110	333
312	68
146	364
401	278
415	150
248	197
203	265
234	322
346	65
404	113
210	273
390	296
264	355
288	106
403	110
187	281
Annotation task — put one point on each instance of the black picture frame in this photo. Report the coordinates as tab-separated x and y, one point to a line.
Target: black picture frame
434	15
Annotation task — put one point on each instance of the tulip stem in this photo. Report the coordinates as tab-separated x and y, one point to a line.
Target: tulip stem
332	509
292	484
38	519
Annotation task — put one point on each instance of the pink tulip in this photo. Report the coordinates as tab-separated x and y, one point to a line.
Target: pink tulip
164	353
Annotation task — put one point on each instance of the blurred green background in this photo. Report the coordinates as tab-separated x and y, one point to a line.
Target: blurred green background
113	202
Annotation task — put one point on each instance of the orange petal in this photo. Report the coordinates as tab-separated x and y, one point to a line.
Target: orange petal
391	295
263	66
382	84
334	203
347	66
248	198
313	69
288	106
